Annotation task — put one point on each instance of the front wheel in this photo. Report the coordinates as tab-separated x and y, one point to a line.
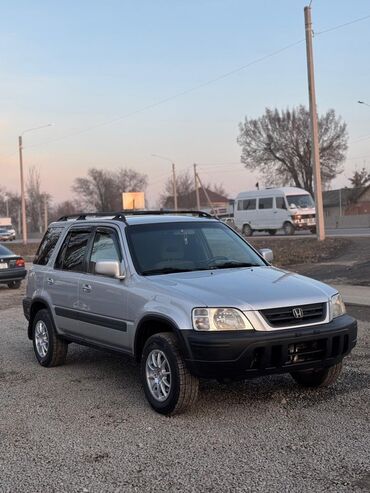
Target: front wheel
313	230
272	232
247	230
50	349
168	385
288	228
318	377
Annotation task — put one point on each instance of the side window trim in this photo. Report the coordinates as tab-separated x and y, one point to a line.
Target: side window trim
102	229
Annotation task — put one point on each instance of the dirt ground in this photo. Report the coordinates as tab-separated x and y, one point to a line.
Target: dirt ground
350	266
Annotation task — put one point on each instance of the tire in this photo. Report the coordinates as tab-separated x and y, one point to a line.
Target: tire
321	377
50	349
313	230
247	230
14	284
288	228
180	386
272	232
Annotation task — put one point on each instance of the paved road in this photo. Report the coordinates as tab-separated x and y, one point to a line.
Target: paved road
350	232
86	427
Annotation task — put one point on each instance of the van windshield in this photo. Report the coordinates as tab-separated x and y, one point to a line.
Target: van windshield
170	247
300	201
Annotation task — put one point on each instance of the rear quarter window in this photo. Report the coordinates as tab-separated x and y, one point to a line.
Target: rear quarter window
47	246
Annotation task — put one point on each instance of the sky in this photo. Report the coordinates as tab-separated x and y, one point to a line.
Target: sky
122	80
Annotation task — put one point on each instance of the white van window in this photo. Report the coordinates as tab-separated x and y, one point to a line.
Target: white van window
280	203
247	205
265	203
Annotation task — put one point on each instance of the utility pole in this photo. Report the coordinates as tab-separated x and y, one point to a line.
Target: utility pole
46	219
7	206
207	196
174	186
315	151
196	187
23	198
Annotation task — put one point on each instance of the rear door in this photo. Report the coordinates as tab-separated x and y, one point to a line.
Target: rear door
102	299
62	279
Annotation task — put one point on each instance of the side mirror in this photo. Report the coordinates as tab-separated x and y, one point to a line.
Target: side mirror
109	268
267	254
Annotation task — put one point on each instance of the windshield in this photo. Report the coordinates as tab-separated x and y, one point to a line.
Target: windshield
301	201
166	248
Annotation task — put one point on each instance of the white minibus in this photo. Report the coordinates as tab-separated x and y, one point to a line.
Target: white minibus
272	209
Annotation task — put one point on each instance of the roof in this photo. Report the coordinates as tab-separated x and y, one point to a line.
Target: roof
273	191
190	199
344	196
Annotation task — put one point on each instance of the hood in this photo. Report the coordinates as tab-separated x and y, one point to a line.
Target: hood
246	288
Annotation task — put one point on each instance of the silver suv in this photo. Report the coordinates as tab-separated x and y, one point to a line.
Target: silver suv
187	297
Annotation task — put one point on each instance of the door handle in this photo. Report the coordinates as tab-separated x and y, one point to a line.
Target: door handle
50	281
86	288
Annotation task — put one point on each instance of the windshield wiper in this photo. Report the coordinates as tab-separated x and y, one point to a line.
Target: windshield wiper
233	264
165	270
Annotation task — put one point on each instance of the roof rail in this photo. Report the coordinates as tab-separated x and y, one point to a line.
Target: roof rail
121	215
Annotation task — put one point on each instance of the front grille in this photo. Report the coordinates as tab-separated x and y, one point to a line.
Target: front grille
284	317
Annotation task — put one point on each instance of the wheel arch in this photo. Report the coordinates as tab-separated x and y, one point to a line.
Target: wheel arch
153	324
37	305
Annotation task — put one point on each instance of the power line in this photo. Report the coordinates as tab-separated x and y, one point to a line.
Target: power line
174	96
195	87
340	26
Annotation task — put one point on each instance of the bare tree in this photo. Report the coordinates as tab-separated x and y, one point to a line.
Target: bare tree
360	178
102	189
35	201
277	145
184	186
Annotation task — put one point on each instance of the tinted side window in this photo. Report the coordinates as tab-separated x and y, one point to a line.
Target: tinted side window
247	205
105	247
265	203
280	203
47	246
71	255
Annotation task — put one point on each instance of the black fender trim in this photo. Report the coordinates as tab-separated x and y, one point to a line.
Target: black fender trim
183	341
28	304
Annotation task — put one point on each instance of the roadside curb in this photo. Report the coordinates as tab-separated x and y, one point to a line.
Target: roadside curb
354	295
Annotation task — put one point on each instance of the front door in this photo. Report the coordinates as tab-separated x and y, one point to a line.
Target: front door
102	299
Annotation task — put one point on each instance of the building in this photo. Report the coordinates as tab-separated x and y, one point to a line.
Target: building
220	203
346	202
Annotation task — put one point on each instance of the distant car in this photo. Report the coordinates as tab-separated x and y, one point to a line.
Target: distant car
12	268
6	234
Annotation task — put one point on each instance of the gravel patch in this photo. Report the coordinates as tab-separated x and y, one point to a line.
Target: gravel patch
86	427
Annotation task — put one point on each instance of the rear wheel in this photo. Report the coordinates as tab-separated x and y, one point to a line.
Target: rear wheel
313	230
168	385
14	284
272	232
50	349
247	230
288	228
318	377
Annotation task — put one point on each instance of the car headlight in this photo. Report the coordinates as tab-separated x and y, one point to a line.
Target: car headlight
337	306
220	319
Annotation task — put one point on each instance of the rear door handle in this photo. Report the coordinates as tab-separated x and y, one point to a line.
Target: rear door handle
86	288
50	281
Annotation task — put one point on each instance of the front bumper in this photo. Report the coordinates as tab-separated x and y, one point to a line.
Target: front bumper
17	274
253	354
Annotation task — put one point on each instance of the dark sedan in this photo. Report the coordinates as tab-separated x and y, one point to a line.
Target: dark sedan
12	268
